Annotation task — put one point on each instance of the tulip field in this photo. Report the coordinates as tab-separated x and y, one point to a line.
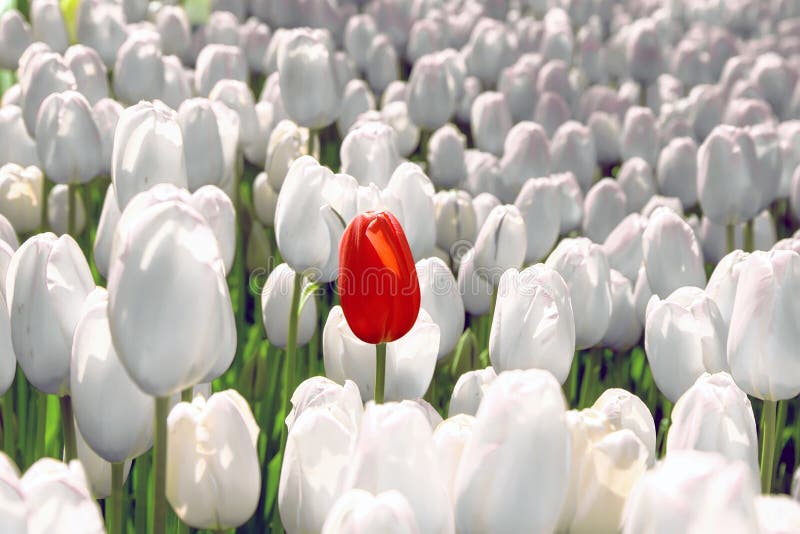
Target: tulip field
399	266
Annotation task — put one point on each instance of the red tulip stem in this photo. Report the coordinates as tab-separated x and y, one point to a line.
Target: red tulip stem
380	372
70	448
768	432
160	466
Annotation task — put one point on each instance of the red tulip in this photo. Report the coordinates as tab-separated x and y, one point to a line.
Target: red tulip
378	284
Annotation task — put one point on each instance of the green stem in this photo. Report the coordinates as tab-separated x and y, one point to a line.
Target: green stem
768	445
70	448
160	465
186	394
590	370
730	237
115	504
380	372
239	262
749	236
72	203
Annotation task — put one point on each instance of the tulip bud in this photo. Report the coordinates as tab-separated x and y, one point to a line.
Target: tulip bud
640	136
222	27
483	204
174	28
347	357
624	328
89	71
501	243
369	153
533	324
148	150
414	191
449	439
18	146
139	68
769	162
46	284
15	37
671	254
48	24
106	113
585	270
684	337
98	471
714	415
101	26
539	204
106	227
636	179
441	300
287	142
386	458
490	121
202	144
333	414
21	196
760	343
643	51
526	154
382	63
692	491
192	342
469	391
623	246
67	138
213	477
677	170
218	62
358	35
275	304
490	49
455	220
470	91
357	99
46	73
431	92
573	151
519	434
359	512
517	83
446	163
604	209
624	410
103	395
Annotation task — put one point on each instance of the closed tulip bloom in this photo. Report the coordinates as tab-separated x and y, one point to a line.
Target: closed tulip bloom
21	196
48	24
455	220
106	113
357	99
217	62
714	415
406	463
410	360
46	285
552	111
606	134
692	491
469	391
287	142
213	477
441	299
265	199
677	170
183	258
533	324
308	82
275	303
573	151
174	28
520	434
640	136
570	202
762	339
769	161
624	327
526	154
58	210
624	410
490	121
67	139
395	114
671	253
724	280
202	144
369	153
490	49
517	82
445	154
106	228
623	246
358	35
603	208
431	93
726	176
643	52
636	179
383	306
15	37
148	150
501	243
483	204
585	269
19	147
98	471
322	411
113	415
217	209
177	82
46	73
469	92
449	437
89	71
360	512
415	193
139	68
101	25
382	63
539	204
684	337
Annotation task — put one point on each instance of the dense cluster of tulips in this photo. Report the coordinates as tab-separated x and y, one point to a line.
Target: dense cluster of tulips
409	266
